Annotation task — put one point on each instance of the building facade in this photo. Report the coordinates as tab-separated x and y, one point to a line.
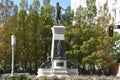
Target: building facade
76	3
114	8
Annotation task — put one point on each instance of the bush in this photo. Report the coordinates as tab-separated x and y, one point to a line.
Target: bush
21	77
30	77
11	78
45	78
83	77
63	78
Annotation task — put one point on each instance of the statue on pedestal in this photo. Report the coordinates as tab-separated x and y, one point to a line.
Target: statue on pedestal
58	14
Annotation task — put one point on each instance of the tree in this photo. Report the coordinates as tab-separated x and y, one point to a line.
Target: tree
88	42
67	17
7	10
46	2
116	51
21	34
23	5
36	5
34	24
86	15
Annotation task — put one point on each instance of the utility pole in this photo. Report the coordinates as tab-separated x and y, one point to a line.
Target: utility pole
13	43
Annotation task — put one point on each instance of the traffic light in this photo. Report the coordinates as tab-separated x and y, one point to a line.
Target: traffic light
111	31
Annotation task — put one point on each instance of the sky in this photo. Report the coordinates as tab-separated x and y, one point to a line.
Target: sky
63	3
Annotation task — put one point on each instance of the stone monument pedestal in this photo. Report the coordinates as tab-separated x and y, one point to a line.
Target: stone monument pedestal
58	65
59	68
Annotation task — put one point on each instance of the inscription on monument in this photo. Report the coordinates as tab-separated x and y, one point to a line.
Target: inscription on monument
60	64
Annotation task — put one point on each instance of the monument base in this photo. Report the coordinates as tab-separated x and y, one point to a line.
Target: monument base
48	72
58	69
118	74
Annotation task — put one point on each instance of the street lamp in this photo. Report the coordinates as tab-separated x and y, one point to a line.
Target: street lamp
13	43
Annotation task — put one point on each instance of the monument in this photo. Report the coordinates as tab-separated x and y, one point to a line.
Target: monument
57	64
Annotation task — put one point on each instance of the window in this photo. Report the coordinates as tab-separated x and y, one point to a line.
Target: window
118	26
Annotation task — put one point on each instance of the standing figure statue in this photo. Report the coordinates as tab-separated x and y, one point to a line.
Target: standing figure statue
58	13
59	48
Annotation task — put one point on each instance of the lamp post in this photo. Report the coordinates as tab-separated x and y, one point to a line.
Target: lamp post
13	43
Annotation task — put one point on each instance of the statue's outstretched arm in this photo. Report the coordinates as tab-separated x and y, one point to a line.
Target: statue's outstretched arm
63	9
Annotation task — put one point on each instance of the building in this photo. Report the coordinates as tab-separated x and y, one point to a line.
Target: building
76	3
113	5
114	8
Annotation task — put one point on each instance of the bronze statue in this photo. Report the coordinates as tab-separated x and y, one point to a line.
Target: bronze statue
58	13
59	48
47	63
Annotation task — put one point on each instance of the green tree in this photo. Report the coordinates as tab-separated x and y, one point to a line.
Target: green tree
46	2
35	48
7	10
36	5
116	51
88	43
86	15
30	29
22	34
67	17
23	4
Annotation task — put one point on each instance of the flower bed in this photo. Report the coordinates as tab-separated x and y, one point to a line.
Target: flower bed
82	77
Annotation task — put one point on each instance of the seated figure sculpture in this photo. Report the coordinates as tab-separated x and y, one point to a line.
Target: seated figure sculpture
47	63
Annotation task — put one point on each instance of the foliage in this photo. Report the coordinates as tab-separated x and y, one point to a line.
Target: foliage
8	11
10	78
116	52
46	2
88	43
83	77
86	16
23	4
30	29
67	17
20	77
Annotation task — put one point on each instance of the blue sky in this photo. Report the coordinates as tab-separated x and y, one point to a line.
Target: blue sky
63	3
